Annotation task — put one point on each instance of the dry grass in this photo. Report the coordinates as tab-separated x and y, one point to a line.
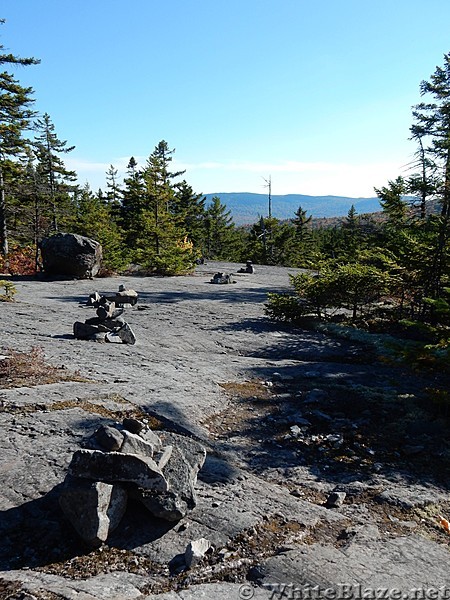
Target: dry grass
27	369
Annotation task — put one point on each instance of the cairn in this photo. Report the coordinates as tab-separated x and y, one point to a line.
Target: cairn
222	278
249	268
108	325
128	460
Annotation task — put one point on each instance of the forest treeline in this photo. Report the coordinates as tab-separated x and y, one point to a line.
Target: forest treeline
151	220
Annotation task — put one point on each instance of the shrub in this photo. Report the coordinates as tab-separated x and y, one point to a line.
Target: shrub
286	307
352	286
20	261
9	291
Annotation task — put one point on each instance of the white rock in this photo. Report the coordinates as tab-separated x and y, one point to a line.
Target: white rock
195	551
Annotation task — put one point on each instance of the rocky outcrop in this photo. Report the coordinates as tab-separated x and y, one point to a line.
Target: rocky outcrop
71	255
119	463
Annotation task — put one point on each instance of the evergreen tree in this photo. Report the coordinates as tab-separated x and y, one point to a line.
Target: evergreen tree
51	168
114	193
133	202
432	120
189	212
160	198
351	233
154	231
301	222
424	183
394	207
221	239
94	218
15	117
300	245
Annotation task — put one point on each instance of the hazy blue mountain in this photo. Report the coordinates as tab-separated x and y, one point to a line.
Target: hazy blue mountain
247	208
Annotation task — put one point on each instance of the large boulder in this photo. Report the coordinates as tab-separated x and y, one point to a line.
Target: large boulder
69	254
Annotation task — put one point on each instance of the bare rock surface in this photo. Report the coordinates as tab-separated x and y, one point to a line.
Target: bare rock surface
287	417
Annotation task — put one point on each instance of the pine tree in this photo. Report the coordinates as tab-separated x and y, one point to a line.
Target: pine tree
221	239
159	198
114	193
394	206
424	183
189	212
51	168
432	120
15	117
300	245
94	218
133	202
301	222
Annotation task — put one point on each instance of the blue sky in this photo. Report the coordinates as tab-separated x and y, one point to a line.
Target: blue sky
316	94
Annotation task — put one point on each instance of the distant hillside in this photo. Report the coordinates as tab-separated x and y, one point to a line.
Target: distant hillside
247	208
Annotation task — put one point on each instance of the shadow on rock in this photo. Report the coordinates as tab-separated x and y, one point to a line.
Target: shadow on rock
35	534
138	528
224	293
334	420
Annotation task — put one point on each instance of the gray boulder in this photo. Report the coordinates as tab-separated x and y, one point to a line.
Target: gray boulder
117	467
94	508
69	254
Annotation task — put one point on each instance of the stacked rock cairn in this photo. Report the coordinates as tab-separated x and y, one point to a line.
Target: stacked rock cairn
129	460
222	278
108	325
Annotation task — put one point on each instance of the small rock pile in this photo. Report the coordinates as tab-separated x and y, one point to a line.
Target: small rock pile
129	460
249	268
108	325
222	278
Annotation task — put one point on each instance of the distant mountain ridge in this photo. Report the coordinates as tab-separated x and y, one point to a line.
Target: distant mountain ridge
246	208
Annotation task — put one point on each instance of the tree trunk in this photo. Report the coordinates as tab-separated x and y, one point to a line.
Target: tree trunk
3	228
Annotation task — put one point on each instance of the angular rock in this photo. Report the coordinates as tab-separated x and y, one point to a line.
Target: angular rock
84	331
93	508
109	438
106	310
93	299
133	425
336	499
124	297
150	436
180	471
114	467
97	337
112	338
126	334
195	551
164	456
134	444
73	255
110	324
315	395
114	323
